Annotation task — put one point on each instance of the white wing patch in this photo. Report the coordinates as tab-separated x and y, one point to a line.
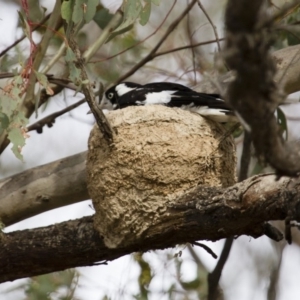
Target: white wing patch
215	114
122	89
163	97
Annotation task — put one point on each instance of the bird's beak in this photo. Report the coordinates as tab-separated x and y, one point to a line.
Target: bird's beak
104	104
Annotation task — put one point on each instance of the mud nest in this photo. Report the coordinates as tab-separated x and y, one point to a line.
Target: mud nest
158	151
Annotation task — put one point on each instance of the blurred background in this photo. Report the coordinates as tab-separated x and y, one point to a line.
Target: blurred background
256	269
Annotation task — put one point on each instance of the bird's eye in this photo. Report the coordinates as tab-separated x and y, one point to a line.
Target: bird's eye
110	95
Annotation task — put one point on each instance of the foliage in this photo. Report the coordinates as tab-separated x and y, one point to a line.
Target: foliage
58	285
13	119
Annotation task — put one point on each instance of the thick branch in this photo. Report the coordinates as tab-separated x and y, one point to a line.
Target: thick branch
43	188
203	213
254	94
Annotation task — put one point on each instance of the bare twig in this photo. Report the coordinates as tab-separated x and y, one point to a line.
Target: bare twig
151	54
186	47
189	34
87	90
50	119
24	36
140	42
206	248
215	275
214	27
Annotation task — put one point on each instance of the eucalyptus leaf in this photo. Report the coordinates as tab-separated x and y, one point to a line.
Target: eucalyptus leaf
18	141
4	121
66	10
102	17
145	13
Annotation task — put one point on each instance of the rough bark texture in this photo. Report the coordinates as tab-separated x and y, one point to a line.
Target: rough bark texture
158	151
203	213
254	94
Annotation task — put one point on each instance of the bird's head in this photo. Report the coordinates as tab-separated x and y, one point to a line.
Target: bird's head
112	95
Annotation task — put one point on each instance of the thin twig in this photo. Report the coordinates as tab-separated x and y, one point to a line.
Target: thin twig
186	47
215	275
140	42
151	54
206	248
24	36
211	23
50	119
87	90
192	49
55	58
63	83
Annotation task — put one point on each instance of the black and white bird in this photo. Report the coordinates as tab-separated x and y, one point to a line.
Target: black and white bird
169	94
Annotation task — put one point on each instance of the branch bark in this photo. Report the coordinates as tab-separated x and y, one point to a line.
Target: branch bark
254	94
201	214
43	188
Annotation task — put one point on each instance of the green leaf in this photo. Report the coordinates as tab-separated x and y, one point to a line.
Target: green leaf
191	285
20	119
145	13
132	10
145	276
66	11
74	74
90	10
15	135
42	79
115	33
84	10
25	24
70	55
102	17
281	120
78	11
4	121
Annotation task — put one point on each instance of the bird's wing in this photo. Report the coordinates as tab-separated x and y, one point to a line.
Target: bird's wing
164	86
179	99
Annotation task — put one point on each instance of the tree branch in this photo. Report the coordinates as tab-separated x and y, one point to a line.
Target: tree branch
43	188
201	214
253	94
87	90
